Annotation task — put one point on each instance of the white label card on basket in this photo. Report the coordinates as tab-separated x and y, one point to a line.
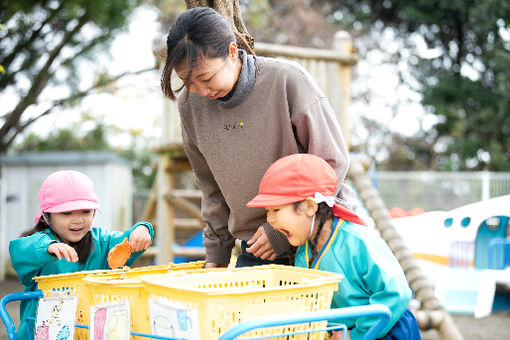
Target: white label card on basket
173	320
110	320
56	317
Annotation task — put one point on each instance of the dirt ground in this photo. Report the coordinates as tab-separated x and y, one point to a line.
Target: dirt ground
494	327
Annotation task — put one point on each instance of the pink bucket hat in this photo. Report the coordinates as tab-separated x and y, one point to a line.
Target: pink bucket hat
66	190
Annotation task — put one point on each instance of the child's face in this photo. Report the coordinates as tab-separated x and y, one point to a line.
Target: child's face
72	226
295	223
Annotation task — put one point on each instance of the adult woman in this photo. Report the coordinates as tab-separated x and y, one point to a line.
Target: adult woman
239	114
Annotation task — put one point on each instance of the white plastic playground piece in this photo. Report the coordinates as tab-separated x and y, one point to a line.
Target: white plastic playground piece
487	289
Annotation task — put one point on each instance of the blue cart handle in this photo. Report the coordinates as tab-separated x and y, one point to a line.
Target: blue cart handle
9	324
375	310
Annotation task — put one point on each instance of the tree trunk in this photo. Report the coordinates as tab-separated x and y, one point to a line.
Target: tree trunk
231	11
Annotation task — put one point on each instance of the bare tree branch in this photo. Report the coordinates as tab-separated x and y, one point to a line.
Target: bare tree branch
38	84
63	101
92	44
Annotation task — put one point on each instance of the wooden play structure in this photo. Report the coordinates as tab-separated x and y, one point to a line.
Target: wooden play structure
175	211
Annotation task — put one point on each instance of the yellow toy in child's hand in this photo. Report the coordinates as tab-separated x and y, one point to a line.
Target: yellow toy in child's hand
119	254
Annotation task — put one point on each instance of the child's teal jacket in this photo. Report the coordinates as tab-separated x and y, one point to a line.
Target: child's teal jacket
30	258
372	274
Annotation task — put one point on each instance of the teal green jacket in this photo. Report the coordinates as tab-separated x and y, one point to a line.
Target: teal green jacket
372	274
30	258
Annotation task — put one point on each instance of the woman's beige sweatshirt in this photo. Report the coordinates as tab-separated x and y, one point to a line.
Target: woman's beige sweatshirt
230	148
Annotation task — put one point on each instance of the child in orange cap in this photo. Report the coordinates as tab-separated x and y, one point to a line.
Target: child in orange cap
298	192
63	239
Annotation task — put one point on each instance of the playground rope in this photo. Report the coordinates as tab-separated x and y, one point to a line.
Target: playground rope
431	314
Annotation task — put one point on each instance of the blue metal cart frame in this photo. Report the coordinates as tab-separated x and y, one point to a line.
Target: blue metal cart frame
380	311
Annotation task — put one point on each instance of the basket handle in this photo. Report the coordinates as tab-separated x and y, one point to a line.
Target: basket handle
322	280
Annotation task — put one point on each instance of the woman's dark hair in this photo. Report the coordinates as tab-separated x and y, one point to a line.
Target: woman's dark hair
323	214
82	247
197	34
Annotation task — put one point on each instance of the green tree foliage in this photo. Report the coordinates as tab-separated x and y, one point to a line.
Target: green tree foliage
66	139
96	138
42	45
466	84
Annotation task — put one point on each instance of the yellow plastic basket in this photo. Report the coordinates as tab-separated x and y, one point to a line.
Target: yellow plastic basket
71	284
108	289
74	284
223	299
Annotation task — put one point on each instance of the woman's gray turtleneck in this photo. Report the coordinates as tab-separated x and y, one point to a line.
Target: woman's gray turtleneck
244	84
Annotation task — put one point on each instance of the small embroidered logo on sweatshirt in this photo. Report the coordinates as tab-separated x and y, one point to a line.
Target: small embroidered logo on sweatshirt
233	126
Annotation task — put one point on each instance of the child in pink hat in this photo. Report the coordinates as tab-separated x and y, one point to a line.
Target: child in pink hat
298	192
63	239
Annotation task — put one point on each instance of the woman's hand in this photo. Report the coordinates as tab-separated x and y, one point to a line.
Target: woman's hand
63	250
260	246
140	238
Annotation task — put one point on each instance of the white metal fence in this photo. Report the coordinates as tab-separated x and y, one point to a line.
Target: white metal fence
411	189
439	190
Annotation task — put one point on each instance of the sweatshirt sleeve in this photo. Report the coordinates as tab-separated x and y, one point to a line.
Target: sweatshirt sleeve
278	240
319	133
218	241
29	255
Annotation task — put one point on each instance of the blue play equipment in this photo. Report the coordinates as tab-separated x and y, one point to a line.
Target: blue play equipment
499	253
195	241
490	229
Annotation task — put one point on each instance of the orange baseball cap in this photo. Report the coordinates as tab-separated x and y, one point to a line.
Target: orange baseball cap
293	178
296	177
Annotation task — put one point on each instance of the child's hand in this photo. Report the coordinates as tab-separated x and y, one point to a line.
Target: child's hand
140	238
260	246
63	250
337	335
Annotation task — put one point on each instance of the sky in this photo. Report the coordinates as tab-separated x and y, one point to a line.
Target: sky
386	90
136	104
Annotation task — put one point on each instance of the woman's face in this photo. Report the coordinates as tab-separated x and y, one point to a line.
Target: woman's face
295	223
72	226
214	77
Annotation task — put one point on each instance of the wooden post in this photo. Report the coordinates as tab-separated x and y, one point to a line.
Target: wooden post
342	43
165	231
